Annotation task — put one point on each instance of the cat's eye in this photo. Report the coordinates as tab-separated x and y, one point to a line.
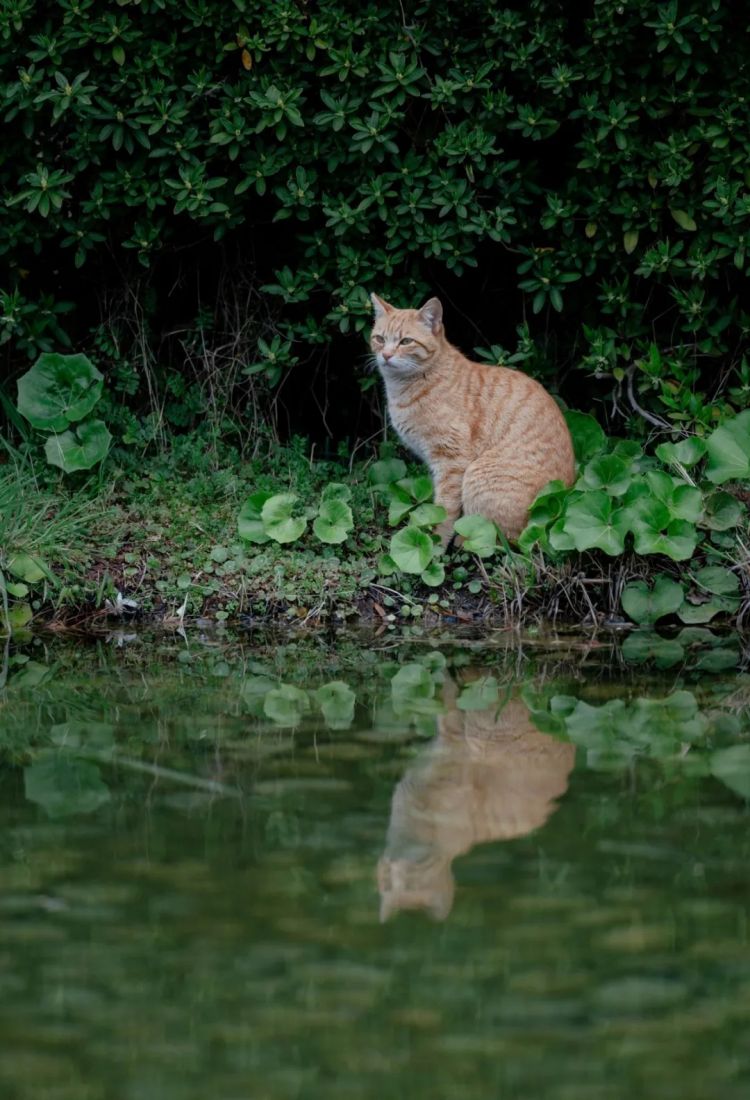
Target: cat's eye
377	339
406	340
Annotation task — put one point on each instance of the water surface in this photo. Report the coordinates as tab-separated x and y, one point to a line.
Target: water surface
373	867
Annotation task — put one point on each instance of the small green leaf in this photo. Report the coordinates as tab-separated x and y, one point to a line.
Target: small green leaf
419	488
479	533
684	454
593	520
729	450
336	490
334	521
608	472
718	580
80	448
434	574
411	549
19	591
249	524
118	55
278	521
399	505
630	240
29	569
722	511
386	471
683	219
645	605
427	515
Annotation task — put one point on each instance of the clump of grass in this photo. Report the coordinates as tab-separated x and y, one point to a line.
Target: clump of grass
61	529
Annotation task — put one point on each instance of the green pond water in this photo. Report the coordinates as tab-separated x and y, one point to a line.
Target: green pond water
374	867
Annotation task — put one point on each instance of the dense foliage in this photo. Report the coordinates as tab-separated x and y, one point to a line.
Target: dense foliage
221	184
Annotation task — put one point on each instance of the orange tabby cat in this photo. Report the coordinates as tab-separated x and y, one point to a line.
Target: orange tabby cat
492	437
488	775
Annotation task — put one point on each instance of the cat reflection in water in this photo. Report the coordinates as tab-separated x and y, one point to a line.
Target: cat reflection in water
488	775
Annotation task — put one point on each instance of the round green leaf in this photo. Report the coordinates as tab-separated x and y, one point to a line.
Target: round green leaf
58	390
608	472
411	549
722	511
334	521
434	574
645	605
427	515
386	471
249	524
729	450
593	521
19	590
79	449
28	568
336	490
684	454
278	521
479	533
718	580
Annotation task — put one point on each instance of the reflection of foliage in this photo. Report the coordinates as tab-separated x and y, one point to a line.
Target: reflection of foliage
674	730
77	734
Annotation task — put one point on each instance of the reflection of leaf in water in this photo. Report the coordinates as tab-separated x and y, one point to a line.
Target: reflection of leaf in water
479	694
72	735
254	690
336	701
732	767
646	645
616	731
286	704
413	692
64	785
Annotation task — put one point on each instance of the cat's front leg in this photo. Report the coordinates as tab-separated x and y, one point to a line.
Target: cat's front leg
447	491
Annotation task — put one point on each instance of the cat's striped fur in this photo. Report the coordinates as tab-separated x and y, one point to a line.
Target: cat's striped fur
492	437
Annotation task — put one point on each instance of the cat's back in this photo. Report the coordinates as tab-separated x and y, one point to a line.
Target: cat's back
509	404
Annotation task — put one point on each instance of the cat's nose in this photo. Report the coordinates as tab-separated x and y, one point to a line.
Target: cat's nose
387	355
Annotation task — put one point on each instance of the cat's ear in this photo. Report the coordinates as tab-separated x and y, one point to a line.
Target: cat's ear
431	314
380	306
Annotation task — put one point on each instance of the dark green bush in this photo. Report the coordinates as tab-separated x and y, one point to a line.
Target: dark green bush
575	184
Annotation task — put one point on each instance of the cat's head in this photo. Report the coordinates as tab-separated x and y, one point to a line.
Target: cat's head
406	341
425	884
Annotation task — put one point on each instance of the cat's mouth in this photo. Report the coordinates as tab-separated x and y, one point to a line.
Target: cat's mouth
397	365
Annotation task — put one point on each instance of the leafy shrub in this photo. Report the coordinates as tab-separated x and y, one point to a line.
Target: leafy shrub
589	165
